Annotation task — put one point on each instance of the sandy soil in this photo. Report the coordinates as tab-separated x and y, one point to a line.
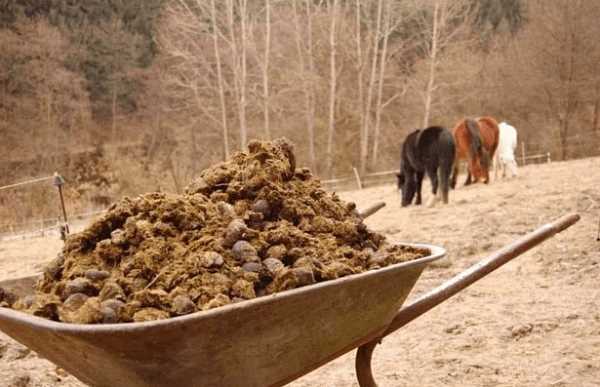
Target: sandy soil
534	322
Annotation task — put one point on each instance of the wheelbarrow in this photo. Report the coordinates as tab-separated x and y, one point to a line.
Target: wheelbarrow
267	341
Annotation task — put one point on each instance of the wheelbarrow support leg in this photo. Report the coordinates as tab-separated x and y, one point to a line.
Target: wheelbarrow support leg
457	283
364	373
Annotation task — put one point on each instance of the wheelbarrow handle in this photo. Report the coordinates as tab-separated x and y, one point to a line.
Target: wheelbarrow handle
371	210
455	285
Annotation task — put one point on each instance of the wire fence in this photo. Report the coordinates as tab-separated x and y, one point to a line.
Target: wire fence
30	225
45	227
26	182
577	146
20	202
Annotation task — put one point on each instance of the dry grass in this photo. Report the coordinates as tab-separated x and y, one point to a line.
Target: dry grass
534	322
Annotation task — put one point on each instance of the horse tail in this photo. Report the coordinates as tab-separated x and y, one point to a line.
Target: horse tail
447	160
476	144
444	177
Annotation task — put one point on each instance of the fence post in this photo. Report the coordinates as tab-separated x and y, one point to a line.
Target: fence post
58	182
357	176
523	153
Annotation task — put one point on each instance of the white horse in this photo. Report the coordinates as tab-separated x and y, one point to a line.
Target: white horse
505	155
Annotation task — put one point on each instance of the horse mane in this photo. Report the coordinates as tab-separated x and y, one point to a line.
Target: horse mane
476	144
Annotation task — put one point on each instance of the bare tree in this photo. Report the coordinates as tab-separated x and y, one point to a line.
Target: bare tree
305	54
239	63
57	93
366	116
596	113
120	54
558	53
380	105
332	84
432	62
364	137
312	97
266	67
441	27
243	5
215	34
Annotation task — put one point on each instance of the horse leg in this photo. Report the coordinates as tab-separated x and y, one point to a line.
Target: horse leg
512	166
468	181
432	173
444	177
496	166
419	184
454	175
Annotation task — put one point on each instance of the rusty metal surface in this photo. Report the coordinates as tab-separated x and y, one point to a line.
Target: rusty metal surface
454	285
267	341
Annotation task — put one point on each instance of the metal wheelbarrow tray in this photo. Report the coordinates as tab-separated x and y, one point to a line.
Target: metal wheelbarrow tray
261	342
268	341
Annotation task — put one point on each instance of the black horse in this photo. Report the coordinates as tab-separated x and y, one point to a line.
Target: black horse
430	150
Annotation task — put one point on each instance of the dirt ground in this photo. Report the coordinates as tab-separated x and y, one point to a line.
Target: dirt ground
534	322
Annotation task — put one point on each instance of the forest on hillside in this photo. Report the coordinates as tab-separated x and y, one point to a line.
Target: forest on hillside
142	94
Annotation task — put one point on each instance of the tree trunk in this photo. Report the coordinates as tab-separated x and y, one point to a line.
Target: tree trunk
220	81
195	152
564	132
311	70
379	105
570	102
596	109
5	103
332	87
174	176
237	77
306	85
114	113
370	91
361	97
49	112
243	129
50	131
432	64
266	69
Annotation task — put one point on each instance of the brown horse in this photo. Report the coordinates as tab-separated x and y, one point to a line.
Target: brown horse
469	146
